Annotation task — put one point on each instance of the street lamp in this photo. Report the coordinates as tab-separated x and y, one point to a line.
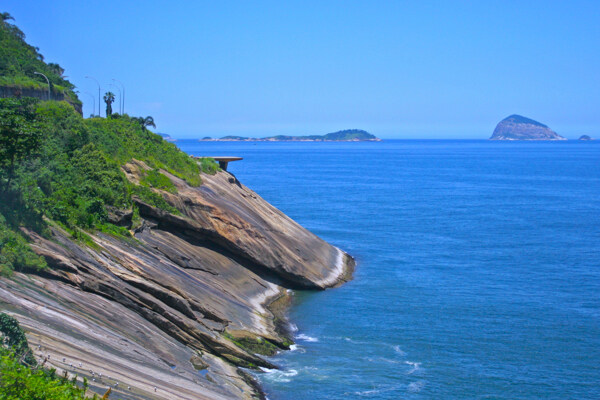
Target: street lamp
123	87
47	80
120	96
93	100
91	77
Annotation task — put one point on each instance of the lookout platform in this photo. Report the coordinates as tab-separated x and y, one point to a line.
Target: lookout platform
224	161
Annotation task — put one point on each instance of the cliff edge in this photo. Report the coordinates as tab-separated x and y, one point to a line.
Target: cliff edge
174	312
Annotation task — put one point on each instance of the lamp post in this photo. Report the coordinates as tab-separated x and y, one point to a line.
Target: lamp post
47	80
93	101
91	77
123	87
120	96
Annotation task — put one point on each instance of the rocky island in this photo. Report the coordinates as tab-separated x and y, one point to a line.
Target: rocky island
348	135
133	267
517	127
585	137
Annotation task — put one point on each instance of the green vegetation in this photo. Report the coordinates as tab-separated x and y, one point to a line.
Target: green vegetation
157	180
208	165
57	165
145	122
19	61
21	377
15	340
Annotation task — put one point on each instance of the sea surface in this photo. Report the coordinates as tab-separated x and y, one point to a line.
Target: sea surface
478	271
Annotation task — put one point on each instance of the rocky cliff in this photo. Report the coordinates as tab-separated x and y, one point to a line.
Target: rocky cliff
517	127
174	312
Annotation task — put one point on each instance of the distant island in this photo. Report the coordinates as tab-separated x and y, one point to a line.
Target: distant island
585	137
348	135
517	127
167	137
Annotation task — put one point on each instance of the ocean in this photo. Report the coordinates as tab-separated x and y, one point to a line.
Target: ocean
478	267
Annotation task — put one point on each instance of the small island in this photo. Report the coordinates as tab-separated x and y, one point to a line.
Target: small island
348	135
167	137
586	137
517	127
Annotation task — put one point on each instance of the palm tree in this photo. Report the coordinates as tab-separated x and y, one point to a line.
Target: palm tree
146	122
109	98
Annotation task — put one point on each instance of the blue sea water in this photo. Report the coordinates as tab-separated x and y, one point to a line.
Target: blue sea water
478	271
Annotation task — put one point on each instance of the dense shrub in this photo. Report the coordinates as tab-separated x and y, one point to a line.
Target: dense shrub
71	171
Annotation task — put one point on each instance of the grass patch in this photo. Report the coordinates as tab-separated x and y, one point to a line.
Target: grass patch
208	165
155	179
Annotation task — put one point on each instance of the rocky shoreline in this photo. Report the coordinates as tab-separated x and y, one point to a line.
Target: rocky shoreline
183	308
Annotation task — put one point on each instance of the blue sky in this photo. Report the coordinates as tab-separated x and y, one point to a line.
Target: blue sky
399	69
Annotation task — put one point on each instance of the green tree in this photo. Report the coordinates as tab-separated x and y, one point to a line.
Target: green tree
20	134
146	122
109	98
57	69
14	338
6	16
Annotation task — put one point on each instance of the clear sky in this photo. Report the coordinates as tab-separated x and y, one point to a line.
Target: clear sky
399	69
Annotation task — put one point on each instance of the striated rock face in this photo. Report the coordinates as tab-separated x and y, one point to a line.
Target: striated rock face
517	127
181	306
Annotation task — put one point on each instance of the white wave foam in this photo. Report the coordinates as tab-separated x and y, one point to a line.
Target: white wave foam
416	386
336	272
398	350
376	392
415	366
277	375
368	392
306	338
299	349
293	327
